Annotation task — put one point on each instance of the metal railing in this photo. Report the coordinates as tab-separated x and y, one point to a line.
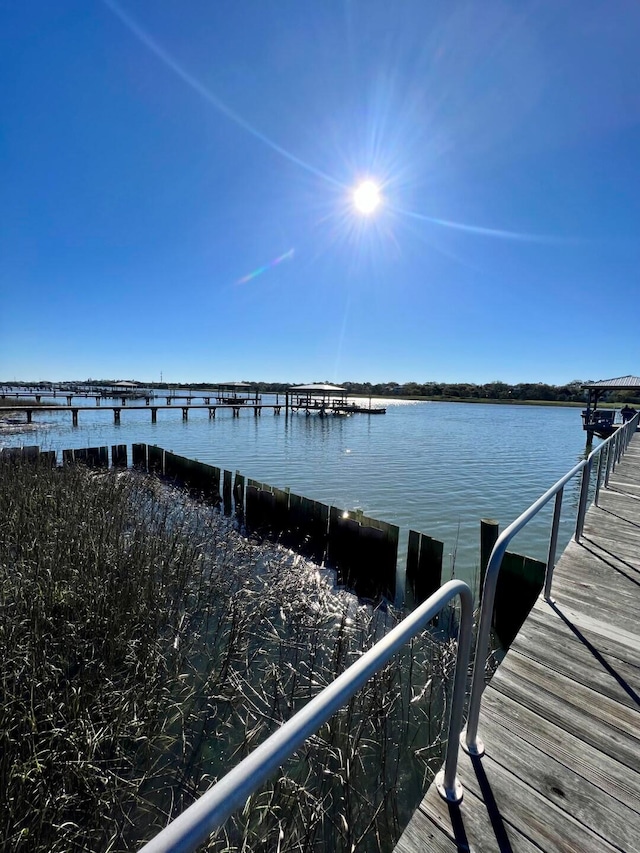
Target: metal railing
608	453
209	812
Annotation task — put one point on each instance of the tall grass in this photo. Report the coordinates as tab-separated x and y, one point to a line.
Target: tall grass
146	647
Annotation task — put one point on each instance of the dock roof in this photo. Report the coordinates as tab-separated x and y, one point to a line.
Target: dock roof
319	388
621	383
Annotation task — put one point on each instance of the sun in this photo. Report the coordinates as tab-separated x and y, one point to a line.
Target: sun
367	198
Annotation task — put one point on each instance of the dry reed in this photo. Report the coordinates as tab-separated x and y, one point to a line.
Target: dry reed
147	646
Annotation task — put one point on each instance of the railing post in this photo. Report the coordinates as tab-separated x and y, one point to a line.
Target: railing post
599	477
609	465
470	741
553	543
584	494
447	782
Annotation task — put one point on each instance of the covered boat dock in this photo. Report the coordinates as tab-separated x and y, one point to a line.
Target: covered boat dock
325	399
605	421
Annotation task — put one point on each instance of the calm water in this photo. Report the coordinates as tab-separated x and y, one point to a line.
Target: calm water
434	467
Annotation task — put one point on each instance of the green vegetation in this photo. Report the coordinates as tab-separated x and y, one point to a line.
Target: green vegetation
147	647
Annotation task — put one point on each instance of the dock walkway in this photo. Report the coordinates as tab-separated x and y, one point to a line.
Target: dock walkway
561	717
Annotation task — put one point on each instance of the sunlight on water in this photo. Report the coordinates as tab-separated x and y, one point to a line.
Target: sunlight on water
433	467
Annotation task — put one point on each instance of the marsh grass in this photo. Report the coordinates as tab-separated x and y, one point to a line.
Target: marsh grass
147	647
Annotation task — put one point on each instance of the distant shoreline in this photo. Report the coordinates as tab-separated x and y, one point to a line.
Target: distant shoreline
440	399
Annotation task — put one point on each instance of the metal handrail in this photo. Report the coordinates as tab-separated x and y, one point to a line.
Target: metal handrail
209	812
613	447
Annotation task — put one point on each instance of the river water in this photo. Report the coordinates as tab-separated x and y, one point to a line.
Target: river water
433	467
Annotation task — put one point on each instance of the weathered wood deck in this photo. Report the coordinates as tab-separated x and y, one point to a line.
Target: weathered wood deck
561	717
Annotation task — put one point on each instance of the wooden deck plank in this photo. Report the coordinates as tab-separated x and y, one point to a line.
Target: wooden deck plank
531	812
607	635
618	681
592	634
586	801
606	568
566	594
471	825
561	716
612	550
585	714
597	766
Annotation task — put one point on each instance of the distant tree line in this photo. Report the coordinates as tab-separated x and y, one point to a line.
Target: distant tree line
569	393
536	391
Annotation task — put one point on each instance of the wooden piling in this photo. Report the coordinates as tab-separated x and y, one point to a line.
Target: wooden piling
489	531
116	415
252	506
74	416
226	492
119	455
155	457
11	454
139	456
424	566
280	513
97	457
154	415
519	584
260	508
238	494
48	458
364	553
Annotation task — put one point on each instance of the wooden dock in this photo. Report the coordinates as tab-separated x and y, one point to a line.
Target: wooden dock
151	406
235	409
561	717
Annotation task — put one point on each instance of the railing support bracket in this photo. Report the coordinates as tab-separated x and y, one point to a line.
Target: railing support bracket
451	795
475	749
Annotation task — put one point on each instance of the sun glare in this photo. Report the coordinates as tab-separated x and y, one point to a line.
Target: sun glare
366	197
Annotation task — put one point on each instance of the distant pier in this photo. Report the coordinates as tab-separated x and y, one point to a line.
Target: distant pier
321	400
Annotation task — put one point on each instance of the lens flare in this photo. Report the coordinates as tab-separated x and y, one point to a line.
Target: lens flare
263	269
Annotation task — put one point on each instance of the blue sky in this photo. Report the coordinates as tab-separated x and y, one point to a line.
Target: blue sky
156	153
